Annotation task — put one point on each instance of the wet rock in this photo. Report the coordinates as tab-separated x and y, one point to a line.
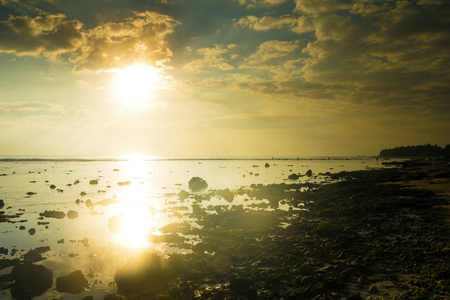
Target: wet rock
309	173
5	263
53	214
328	229
72	214
22	227
122	183
267	165
227	195
2	203
115	224
93	181
145	273
33	256
4	250
74	283
31	193
32	231
53	186
373	289
183	195
293	176
197	184
82	193
89	203
30	280
113	297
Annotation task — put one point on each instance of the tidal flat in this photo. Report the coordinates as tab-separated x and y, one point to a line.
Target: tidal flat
353	229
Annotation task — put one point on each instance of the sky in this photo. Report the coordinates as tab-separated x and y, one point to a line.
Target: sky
223	77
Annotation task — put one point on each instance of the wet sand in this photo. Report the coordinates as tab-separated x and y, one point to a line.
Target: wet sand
378	234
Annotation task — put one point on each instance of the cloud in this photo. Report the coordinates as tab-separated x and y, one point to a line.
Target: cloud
295	24
259	3
114	44
30	108
213	57
140	37
270	50
48	35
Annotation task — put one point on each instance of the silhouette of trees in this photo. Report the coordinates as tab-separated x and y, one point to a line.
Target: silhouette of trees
416	151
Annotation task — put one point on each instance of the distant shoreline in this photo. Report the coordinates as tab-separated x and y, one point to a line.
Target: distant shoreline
112	159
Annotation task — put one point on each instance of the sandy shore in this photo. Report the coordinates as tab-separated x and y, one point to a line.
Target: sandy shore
379	234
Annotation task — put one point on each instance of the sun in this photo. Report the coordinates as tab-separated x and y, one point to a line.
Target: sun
135	85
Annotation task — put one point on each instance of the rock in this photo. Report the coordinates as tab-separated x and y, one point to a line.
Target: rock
31	231
31	193
22	227
83	193
197	183
32	256
72	214
328	229
93	181
53	214
227	195
89	297
115	224
30	280
2	203
293	176
144	273
89	203
4	250
373	289
309	173
121	183
53	186
74	283
182	195
267	165
113	297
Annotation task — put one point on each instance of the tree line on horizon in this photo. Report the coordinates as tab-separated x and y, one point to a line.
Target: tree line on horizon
417	151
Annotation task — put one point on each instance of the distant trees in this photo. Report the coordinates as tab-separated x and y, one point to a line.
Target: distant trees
420	150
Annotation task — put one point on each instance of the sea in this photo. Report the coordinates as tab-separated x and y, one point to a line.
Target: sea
143	193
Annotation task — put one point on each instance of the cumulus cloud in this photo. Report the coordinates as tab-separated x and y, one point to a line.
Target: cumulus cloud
296	24
140	37
213	57
48	35
255	3
270	50
381	52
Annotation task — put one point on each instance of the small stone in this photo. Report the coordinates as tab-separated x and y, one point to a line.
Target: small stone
72	214
32	231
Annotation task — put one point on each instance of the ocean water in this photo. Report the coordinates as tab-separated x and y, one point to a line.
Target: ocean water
120	203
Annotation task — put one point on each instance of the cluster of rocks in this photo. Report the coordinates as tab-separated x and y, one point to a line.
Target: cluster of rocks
363	237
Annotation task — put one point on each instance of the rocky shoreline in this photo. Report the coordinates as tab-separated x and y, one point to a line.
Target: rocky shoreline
377	234
368	237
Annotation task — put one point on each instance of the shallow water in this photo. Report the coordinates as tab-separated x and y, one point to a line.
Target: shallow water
146	204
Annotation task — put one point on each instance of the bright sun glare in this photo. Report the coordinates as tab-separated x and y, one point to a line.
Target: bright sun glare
136	84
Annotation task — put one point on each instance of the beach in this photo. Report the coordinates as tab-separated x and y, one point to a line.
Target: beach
233	229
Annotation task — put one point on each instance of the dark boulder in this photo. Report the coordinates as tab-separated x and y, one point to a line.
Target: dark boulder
72	214
309	173
197	183
53	214
293	176
30	281
74	283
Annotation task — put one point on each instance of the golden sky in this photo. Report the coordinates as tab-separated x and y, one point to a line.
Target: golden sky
222	78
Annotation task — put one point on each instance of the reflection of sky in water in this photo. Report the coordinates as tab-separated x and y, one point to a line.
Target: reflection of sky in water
148	203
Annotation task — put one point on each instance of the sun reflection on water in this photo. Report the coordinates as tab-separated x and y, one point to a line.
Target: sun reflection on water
136	209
